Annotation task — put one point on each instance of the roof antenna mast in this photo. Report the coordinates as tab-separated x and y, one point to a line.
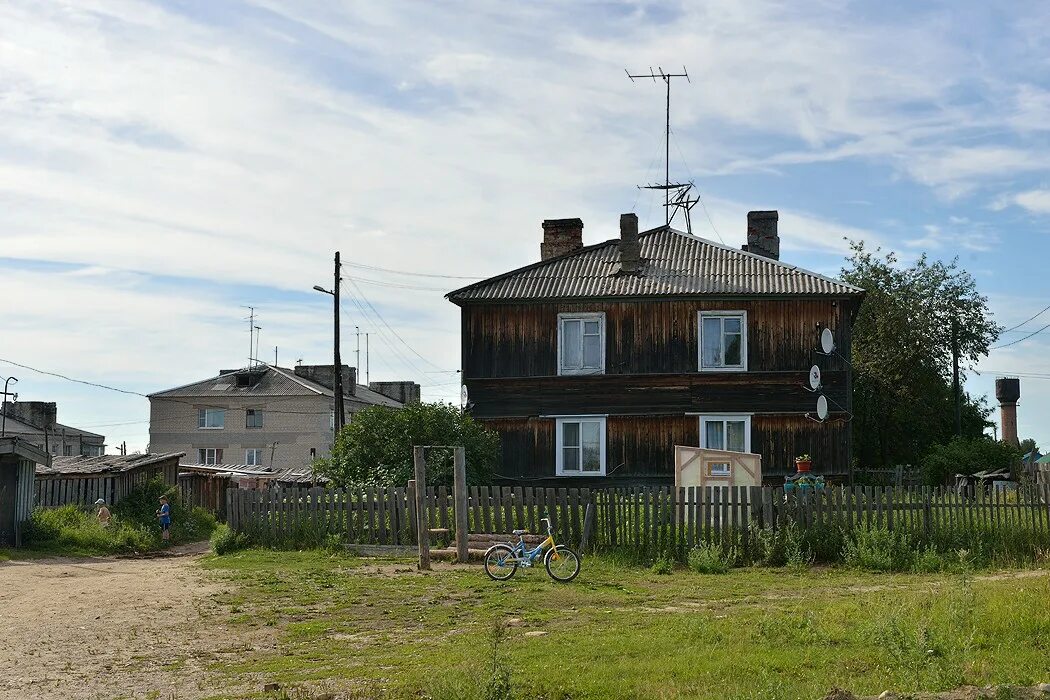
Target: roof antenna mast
681	198
251	332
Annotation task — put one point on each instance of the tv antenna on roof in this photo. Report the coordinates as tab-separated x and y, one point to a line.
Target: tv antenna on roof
681	189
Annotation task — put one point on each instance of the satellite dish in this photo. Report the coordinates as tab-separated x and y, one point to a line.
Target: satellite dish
463	396
827	341
822	407
814	377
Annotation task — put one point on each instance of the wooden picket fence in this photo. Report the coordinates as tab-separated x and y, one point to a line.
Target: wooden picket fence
630	518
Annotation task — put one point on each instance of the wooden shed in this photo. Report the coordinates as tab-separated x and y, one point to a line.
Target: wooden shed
18	463
82	480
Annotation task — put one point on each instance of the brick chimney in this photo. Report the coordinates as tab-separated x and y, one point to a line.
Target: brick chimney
561	236
40	414
629	249
762	238
325	376
403	392
1007	391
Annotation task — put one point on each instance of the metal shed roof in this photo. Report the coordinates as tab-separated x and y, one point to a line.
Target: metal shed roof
675	264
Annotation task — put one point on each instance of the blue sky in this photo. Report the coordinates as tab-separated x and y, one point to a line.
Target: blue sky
166	164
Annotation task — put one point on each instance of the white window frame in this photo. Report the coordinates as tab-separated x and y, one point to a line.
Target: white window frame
722	418
558	445
202	419
205	450
701	315
582	317
258	412
259	461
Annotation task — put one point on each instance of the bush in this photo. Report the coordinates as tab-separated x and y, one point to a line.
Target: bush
224	540
966	456
709	559
878	549
140	506
663	566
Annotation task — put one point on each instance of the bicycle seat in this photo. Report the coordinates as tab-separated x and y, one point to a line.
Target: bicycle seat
520	532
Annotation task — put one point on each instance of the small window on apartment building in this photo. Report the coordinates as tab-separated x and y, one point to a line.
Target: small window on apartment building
67	450
723	340
209	455
313	453
253	456
581	343
253	418
730	432
581	446
211	418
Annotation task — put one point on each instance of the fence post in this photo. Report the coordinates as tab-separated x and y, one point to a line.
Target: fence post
422	522
588	523
926	515
459	487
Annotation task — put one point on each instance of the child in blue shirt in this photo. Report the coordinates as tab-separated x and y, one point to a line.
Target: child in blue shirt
164	515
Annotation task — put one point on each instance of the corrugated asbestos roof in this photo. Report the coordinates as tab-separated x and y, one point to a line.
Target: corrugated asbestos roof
106	463
285	475
675	264
274	381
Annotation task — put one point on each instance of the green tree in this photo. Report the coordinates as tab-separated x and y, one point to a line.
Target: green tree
903	402
375	448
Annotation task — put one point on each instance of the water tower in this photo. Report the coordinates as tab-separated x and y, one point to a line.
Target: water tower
1007	391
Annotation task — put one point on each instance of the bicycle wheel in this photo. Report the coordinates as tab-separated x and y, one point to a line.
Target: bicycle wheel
500	562
562	564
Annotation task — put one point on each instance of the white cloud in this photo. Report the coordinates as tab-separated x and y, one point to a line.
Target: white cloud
1036	201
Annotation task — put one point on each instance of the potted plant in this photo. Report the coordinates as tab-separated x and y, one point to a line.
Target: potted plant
803	463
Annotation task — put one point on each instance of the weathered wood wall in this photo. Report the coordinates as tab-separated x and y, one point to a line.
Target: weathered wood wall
650	337
640	449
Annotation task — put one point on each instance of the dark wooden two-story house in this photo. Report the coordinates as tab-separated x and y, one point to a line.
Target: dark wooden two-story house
593	363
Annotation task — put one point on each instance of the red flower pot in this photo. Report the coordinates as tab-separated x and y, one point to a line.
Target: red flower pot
804	465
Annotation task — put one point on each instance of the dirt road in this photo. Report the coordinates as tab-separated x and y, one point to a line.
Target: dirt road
110	628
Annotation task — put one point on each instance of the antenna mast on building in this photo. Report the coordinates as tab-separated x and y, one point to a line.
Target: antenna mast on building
681	197
251	332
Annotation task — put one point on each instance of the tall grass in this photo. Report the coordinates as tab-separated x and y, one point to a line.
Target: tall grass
133	528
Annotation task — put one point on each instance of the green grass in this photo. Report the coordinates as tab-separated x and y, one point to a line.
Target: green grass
622	632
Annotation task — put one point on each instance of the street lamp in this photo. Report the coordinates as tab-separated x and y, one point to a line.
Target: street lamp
3	421
337	363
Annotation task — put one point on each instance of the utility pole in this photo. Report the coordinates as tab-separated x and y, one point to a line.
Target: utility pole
368	379
337	362
666	187
956	389
357	333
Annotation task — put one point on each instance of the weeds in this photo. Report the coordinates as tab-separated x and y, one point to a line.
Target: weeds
709	559
498	686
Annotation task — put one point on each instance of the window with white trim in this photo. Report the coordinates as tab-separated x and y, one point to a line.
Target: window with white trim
253	456
253	418
211	418
581	343
723	341
209	455
727	432
580	446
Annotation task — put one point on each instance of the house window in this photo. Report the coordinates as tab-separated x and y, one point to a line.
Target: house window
730	432
723	340
581	343
253	418
209	455
211	418
253	456
581	446
67	450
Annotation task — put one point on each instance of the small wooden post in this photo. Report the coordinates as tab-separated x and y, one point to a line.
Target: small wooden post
588	524
422	522
459	487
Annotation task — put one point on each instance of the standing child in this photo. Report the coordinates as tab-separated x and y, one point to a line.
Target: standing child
164	514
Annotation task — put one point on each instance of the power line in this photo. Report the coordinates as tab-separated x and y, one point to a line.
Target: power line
399	286
1020	340
692	179
1013	328
411	274
383	320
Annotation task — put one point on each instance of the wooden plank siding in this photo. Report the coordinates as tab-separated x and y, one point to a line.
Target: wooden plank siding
651	389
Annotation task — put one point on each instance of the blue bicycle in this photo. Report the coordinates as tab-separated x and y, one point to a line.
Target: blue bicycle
502	560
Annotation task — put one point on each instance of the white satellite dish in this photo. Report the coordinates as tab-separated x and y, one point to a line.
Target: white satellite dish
814	377
822	407
463	396
827	341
